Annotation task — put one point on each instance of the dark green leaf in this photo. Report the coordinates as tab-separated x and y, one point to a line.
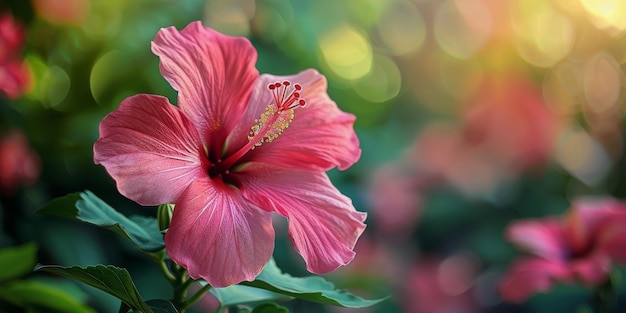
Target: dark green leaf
312	288
36	296
161	306
238	294
86	207
110	279
17	261
270	307
63	206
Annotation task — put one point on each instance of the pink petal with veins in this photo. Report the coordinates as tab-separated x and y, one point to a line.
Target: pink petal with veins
219	236
151	149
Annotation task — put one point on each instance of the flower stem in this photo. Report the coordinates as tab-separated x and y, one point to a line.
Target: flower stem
166	271
195	297
603	297
181	285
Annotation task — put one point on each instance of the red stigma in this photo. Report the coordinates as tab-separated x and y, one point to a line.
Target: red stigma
286	96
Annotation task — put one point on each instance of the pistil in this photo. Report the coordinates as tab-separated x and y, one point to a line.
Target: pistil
272	122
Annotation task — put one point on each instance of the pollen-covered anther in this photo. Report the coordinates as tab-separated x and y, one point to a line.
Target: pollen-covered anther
278	115
270	125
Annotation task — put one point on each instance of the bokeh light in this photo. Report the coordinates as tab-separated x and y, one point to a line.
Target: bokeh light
402	28
602	82
544	35
583	156
233	17
107	68
346	52
462	27
609	15
382	83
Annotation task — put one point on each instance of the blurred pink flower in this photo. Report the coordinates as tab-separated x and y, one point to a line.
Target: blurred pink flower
14	75
395	198
237	147
19	165
509	118
506	130
441	286
580	247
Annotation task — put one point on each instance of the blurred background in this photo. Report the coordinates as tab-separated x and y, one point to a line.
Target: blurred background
471	114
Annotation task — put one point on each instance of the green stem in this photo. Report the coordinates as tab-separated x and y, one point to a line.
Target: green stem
181	286
195	297
603	298
180	280
166	271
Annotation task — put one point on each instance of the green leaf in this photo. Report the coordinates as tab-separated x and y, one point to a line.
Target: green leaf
161	306
312	288
143	231
110	279
17	261
238	294
270	307
39	297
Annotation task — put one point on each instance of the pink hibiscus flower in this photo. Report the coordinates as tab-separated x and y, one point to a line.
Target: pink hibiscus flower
238	147
19	165
580	247
14	76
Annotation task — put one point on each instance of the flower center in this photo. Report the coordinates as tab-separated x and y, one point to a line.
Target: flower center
271	124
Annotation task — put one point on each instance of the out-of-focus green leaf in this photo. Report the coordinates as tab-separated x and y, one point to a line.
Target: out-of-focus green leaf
312	288
17	261
35	296
238	294
110	279
86	207
270	307
161	306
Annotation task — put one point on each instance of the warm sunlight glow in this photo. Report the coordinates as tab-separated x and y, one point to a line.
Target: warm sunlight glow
346	52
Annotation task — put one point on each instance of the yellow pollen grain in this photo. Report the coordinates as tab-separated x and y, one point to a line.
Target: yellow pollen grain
270	125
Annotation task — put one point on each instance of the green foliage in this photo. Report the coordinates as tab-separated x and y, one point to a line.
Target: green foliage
110	279
274	285
32	296
270	307
37	296
17	261
312	288
161	306
87	207
239	294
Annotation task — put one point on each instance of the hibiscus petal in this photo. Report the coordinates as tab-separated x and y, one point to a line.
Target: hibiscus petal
219	236
320	136
323	224
544	238
151	149
213	74
612	237
529	276
591	270
587	219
